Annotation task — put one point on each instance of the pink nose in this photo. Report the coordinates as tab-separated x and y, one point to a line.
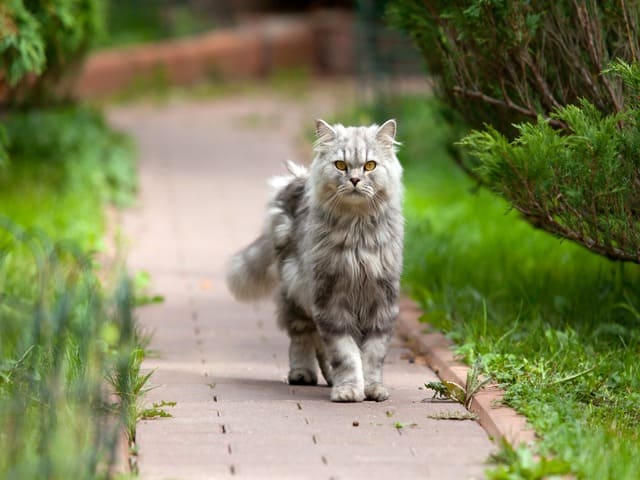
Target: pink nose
354	180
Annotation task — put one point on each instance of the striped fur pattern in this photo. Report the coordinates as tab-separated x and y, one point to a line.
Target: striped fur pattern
331	248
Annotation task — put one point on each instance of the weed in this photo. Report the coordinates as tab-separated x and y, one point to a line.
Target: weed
141	283
156	411
458	393
401	425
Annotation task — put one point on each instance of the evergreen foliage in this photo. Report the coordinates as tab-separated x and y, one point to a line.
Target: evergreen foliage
504	61
583	185
568	65
42	44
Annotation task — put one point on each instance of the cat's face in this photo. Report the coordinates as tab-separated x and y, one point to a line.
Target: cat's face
355	167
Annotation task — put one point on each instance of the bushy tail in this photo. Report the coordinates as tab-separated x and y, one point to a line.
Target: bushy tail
252	272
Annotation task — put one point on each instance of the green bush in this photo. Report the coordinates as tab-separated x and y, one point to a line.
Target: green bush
581	185
21	45
502	62
53	140
46	38
566	64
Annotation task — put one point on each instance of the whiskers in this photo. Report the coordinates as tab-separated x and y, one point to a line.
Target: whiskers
345	199
343	189
363	190
368	190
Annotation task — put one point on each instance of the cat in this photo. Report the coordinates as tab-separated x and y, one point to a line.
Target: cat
331	246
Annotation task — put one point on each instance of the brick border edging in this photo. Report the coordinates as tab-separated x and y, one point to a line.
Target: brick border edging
322	42
498	420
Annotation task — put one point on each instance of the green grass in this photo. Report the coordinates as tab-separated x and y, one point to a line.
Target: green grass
63	331
291	83
557	326
66	164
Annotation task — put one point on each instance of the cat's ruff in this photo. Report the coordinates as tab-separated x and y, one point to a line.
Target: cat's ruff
331	247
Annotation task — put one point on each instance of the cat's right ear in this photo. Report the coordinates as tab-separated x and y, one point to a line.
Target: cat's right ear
324	132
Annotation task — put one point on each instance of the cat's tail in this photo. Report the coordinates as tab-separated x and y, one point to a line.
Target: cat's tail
252	273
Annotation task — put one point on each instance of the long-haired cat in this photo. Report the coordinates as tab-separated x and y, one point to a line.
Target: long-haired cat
332	247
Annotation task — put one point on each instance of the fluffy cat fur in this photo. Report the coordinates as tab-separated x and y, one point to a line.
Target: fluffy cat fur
332	248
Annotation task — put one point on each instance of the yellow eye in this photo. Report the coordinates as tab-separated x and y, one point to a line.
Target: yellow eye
340	165
370	165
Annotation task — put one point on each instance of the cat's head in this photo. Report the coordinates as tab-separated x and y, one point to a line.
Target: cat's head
355	167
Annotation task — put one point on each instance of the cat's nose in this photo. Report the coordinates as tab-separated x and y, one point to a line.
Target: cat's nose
354	180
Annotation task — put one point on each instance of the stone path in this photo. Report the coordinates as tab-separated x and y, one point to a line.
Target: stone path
203	187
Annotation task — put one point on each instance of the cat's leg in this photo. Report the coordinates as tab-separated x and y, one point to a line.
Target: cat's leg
376	330
302	361
302	332
374	351
323	360
334	324
346	368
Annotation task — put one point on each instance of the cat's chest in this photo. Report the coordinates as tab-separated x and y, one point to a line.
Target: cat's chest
355	252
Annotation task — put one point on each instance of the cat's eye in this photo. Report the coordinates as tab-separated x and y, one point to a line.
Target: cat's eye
370	165
340	165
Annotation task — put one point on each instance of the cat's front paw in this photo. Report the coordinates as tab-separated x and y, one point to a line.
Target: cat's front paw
377	392
346	393
302	376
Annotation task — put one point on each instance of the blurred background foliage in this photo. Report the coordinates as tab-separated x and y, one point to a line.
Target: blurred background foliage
65	319
42	45
130	23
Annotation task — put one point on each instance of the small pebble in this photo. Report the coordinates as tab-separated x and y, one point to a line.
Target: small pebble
356	423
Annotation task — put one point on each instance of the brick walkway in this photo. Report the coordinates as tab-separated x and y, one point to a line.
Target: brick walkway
203	187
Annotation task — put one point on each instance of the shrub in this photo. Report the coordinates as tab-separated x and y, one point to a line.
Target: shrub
502	62
42	44
74	149
569	66
582	185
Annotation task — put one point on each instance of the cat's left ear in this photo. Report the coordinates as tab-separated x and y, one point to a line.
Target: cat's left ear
324	132
386	133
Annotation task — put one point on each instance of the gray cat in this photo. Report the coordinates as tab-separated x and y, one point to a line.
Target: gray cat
332	246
